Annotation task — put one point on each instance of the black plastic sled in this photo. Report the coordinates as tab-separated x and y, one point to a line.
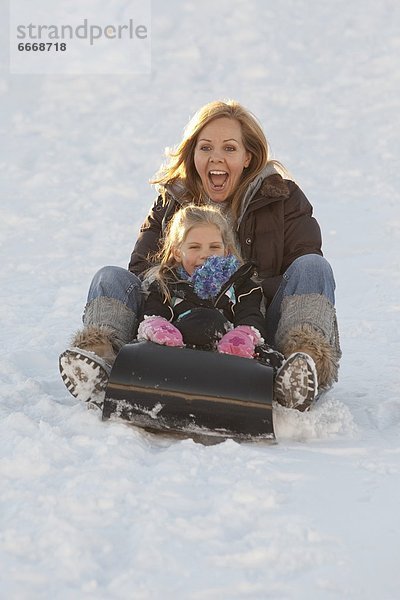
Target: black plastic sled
193	392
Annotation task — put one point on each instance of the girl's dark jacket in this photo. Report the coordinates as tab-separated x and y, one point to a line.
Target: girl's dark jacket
274	228
242	307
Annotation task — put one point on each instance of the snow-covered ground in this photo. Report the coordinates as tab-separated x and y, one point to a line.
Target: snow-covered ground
100	510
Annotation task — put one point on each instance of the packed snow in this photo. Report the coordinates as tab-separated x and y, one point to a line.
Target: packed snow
102	510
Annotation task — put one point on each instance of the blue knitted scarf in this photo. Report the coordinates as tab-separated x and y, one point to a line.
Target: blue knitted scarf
210	277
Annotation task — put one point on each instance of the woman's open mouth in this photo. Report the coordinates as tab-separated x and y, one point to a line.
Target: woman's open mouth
217	179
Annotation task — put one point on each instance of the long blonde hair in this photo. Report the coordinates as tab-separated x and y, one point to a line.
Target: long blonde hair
182	222
180	165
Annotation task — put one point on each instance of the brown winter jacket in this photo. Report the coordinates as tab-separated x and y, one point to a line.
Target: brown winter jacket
275	227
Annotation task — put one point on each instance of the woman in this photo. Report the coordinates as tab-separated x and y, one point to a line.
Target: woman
223	159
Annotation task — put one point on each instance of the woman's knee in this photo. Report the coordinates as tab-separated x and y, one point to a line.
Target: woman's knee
310	274
312	264
112	274
114	282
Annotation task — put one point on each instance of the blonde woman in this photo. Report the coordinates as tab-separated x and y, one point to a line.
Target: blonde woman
223	160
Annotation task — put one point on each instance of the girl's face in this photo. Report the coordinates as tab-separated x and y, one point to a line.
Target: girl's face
201	242
220	157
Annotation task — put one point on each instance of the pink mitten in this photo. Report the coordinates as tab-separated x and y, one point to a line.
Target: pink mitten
240	341
159	331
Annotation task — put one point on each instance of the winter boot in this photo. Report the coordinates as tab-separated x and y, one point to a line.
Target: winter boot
308	340
296	383
86	365
308	326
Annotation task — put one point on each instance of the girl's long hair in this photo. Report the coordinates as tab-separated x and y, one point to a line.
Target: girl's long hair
177	229
180	164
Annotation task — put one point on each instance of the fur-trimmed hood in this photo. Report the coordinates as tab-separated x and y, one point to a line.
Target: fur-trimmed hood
269	183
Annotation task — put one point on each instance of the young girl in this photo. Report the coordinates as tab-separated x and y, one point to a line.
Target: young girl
201	294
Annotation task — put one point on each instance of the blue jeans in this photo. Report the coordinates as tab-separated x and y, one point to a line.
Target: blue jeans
117	283
115	300
308	274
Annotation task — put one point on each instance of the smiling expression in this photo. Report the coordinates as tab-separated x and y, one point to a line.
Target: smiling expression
200	242
220	157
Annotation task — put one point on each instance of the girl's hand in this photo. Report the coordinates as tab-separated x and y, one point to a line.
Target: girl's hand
240	341
160	331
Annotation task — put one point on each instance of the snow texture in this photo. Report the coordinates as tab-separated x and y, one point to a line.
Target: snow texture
100	510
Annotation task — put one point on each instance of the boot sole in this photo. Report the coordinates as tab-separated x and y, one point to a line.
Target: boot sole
85	375
296	384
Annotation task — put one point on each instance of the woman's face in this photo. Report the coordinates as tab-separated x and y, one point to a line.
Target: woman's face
200	242
220	157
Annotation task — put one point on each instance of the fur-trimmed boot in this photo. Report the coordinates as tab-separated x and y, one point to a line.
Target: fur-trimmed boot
86	365
305	338
308	337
